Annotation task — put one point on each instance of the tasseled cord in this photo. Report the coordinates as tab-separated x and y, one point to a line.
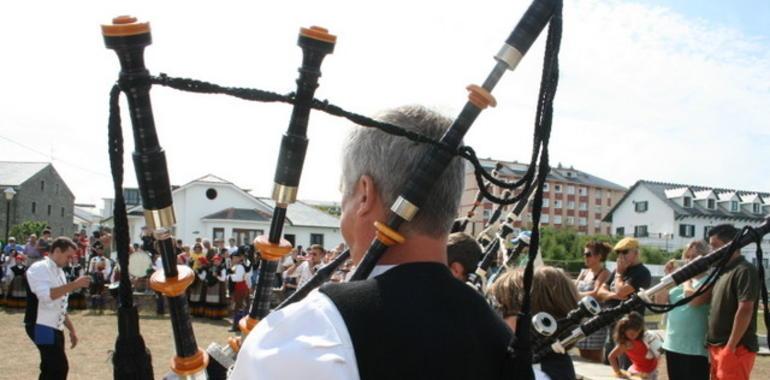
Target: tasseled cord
131	360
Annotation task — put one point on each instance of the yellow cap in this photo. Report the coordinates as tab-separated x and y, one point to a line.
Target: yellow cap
626	244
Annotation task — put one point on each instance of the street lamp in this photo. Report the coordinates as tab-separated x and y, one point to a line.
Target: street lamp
9	193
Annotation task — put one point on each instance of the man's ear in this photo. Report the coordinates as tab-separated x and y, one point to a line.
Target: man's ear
457	270
368	197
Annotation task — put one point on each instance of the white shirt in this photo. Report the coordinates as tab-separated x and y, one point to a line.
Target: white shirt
107	265
238	274
43	276
303	273
307	339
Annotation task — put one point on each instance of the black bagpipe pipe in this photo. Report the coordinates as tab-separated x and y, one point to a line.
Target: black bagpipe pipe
491	227
436	160
717	258
461	224
316	43
478	279
128	38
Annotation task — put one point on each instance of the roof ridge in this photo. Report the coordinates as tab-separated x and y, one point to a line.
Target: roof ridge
701	188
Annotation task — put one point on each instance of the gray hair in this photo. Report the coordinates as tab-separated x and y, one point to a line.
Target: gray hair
390	160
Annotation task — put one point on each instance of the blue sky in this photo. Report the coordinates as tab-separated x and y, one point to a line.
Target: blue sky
674	91
751	17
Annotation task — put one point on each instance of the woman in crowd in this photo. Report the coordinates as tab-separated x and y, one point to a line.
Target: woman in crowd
588	283
216	285
633	341
686	326
553	292
17	288
198	289
77	299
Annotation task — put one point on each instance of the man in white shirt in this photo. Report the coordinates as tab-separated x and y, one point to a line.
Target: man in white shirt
411	319
305	269
46	314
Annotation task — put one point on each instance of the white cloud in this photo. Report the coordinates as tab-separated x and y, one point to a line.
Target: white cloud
644	92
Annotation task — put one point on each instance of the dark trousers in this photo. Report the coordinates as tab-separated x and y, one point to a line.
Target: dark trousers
681	366
53	360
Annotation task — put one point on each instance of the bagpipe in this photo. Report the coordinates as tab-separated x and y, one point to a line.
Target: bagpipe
576	329
128	38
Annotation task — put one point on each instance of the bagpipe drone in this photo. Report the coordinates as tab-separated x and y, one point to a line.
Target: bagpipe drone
128	38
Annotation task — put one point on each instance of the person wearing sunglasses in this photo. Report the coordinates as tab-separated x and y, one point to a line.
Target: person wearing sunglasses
629	276
588	282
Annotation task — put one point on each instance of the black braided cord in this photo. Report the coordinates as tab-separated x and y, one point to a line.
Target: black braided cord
131	359
251	94
521	347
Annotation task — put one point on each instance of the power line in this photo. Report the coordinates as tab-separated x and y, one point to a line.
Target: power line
54	159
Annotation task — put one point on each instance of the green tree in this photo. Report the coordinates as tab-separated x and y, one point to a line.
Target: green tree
22	231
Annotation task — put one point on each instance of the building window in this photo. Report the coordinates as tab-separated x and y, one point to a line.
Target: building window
218	233
620	231
570	220
241	236
557	219
557	188
583	221
546	187
317	239
583	191
62	212
686	230
598	193
571	205
211	193
570	189
583	206
546	202
640	231
34	207
42	185
291	238
49	210
640	206
734	206
557	203
132	196
711	204
544	218
756	208
597	222
609	202
687	202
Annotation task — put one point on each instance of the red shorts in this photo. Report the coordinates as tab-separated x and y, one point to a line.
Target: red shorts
727	365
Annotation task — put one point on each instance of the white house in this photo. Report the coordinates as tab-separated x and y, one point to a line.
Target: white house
668	216
211	207
86	218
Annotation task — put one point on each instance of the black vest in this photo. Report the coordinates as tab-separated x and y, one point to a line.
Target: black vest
416	321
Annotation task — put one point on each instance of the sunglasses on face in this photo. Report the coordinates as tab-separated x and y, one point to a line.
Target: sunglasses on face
587	254
623	251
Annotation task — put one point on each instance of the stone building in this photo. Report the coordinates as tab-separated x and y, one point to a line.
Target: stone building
41	195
